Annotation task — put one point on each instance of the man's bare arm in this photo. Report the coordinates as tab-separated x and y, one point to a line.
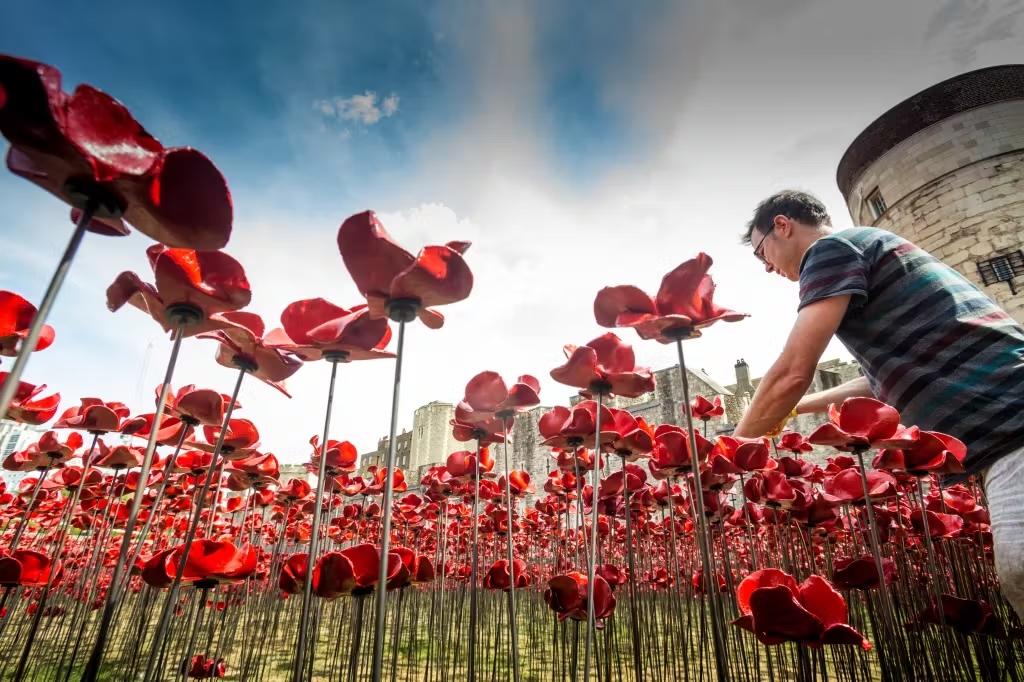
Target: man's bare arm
784	384
819	402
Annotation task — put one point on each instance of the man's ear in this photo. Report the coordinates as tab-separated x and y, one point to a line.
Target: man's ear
783	226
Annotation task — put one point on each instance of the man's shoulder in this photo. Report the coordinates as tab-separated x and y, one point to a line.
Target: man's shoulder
861	236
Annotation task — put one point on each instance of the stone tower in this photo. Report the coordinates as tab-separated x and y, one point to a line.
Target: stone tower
945	169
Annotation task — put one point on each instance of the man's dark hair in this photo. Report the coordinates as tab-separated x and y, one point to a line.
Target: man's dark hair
800	206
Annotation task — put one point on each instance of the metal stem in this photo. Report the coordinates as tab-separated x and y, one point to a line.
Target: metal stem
314	537
28	346
23	523
938	579
121	568
591	619
474	567
711	585
513	633
385	544
172	593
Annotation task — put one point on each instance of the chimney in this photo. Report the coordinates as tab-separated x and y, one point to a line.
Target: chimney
743	384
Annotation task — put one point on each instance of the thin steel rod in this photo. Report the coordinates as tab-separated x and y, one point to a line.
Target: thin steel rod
314	536
385	540
591	619
172	592
513	632
28	346
121	568
711	584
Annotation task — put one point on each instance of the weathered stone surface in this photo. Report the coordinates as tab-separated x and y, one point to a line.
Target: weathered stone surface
956	189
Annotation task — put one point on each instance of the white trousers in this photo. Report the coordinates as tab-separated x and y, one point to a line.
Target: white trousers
1004	487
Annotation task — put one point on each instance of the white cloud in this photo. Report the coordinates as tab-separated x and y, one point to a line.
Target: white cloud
362	108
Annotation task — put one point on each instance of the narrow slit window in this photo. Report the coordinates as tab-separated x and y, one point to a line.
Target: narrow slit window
877	204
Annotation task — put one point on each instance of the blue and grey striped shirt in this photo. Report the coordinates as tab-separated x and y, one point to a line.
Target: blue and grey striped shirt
931	344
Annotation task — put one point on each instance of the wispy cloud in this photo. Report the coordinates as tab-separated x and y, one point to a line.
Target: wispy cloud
366	108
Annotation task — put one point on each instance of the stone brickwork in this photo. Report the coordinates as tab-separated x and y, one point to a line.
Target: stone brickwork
290	471
378	457
432	440
956	189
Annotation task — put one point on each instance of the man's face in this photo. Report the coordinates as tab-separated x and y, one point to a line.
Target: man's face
775	249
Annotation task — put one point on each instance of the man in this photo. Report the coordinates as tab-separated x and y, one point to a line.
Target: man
930	343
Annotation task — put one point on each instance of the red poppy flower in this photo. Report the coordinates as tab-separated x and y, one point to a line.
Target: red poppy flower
16	315
796	468
192	462
561	483
240	441
563	427
486	432
497	577
314	326
519	483
862	423
671	455
210	281
631	478
740	455
50	446
212	562
94	415
202	406
419	567
24	408
612	574
169	432
705	410
353	570
437	481
847	486
699	585
27	568
932	453
966	615
567	596
347	485
861	573
634	437
776	610
683	306
606	363
293	573
241	344
384	272
341	455
939	525
118	457
295	489
791	441
488	397
462	465
379	477
175	196
203	668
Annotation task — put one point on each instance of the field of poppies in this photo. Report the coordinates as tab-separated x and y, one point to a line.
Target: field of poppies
650	552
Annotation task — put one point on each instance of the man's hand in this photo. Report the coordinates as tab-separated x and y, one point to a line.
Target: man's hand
781	426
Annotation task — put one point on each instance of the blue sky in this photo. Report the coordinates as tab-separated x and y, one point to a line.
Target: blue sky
577	144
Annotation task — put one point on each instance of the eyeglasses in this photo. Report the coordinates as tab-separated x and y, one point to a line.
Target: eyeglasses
757	249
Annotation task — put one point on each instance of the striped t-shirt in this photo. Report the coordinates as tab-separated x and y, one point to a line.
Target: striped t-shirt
931	344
